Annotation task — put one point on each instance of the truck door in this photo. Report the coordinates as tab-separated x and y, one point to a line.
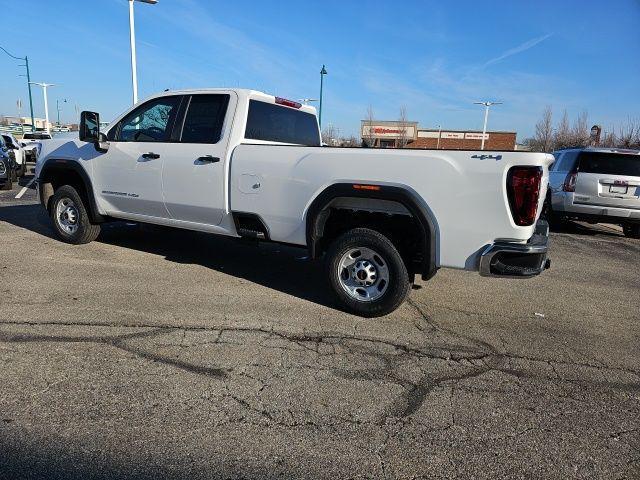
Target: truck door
128	176
193	175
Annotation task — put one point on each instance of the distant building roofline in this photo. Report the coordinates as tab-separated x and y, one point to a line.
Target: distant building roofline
463	131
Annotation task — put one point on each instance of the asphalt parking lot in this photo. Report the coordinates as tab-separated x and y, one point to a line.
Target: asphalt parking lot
157	353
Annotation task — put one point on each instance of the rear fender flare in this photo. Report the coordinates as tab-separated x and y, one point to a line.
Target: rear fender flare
318	213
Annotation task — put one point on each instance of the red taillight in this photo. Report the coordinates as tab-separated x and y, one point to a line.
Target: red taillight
569	184
287	103
523	190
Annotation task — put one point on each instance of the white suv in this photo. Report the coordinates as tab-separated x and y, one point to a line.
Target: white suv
596	185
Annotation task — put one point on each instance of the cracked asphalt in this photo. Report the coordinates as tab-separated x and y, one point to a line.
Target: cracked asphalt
158	353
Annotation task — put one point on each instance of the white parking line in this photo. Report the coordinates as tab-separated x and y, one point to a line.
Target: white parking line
24	189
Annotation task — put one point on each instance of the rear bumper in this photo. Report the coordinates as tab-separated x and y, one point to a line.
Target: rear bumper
567	206
517	260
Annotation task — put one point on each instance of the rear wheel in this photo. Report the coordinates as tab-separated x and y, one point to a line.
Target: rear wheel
367	273
552	218
70	217
631	230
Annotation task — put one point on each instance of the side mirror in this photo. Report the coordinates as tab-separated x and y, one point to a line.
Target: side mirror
90	127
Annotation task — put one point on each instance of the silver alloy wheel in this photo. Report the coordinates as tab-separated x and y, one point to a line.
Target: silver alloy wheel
363	274
67	215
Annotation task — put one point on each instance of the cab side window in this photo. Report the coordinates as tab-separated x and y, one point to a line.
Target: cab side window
204	118
151	122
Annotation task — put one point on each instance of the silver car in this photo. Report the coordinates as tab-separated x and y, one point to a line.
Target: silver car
596	185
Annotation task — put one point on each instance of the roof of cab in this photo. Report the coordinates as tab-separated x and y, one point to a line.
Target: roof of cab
241	92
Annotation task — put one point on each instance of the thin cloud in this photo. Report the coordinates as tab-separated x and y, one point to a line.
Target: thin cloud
519	49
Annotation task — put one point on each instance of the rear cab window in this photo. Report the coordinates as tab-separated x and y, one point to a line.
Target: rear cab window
607	163
277	123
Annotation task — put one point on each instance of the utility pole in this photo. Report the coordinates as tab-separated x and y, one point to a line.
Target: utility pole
439	135
26	64
486	117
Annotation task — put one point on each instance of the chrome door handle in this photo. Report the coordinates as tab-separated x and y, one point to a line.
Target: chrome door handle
209	159
150	155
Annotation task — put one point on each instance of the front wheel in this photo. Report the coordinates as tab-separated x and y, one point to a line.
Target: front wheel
367	273
70	217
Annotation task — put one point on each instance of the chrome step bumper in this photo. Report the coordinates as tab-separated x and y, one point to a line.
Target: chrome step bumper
517	260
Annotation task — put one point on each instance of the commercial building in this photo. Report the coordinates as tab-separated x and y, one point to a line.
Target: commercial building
394	134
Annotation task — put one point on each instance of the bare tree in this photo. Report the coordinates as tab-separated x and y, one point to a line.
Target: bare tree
562	136
580	132
403	123
629	134
608	138
543	139
330	135
546	138
369	136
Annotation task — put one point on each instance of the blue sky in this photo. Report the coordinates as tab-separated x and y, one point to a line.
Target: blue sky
435	58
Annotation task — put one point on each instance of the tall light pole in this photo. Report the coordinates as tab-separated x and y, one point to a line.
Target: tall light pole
323	72
132	40
26	64
486	116
58	108
439	135
46	105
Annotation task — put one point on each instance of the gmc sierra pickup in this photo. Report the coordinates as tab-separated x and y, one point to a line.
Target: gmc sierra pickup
246	164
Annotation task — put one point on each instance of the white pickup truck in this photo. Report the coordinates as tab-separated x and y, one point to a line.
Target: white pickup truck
246	164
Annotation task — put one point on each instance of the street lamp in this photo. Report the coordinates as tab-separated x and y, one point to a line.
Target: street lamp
323	72
26	64
486	116
46	105
132	39
58	108
439	135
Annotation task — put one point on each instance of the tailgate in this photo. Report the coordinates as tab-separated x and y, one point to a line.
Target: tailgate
608	179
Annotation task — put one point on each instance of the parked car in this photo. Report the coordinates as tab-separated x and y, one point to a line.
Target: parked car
598	185
32	144
17	150
243	163
7	171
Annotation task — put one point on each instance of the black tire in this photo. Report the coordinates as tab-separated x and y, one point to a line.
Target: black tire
85	231
393	292
23	169
14	175
553	219
631	230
